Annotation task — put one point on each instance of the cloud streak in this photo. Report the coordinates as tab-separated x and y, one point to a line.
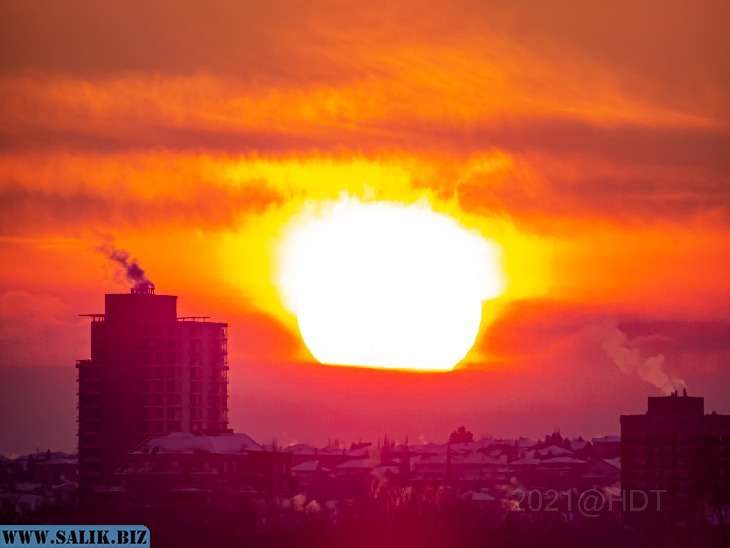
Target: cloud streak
27	210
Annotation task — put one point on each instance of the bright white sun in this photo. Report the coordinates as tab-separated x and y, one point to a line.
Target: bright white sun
381	284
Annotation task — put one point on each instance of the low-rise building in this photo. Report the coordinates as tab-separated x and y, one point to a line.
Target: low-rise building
185	465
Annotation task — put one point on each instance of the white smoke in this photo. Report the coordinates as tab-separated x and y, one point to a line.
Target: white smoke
628	359
312	507
298	502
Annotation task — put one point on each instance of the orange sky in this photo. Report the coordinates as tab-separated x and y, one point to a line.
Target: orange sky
591	141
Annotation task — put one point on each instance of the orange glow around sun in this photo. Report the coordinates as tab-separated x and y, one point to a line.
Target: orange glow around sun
381	284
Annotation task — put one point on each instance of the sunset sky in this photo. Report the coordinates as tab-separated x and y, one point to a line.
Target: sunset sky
589	141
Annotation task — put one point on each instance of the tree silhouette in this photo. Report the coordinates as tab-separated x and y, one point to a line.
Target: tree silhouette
461	435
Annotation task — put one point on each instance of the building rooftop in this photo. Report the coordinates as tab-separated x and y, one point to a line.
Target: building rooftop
606	439
676	405
183	442
554	451
306	466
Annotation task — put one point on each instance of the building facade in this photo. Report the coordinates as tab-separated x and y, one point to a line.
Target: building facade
150	373
677	455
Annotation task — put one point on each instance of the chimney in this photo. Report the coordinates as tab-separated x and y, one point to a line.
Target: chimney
143	289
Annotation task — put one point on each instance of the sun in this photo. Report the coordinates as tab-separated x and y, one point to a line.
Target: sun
386	285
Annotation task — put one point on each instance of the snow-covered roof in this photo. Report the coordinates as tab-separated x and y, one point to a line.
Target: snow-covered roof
478	496
504	441
101	489
356	464
428	448
607	439
301	449
527	461
615	462
70	459
554	451
332	451
384	469
27	486
185	442
306	466
428	459
65	486
563	460
477	458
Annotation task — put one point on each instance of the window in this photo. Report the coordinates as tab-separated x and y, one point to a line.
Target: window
174	413
154	412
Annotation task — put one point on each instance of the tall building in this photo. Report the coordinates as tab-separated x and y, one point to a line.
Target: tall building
677	455
150	373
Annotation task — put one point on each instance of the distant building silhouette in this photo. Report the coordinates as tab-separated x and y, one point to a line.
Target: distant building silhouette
150	373
169	470
680	452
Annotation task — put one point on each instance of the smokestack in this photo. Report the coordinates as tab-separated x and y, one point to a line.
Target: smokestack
143	289
141	285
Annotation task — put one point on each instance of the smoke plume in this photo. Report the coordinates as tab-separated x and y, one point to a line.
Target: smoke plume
628	359
131	269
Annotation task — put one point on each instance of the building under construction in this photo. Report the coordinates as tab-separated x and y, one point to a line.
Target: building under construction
150	373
